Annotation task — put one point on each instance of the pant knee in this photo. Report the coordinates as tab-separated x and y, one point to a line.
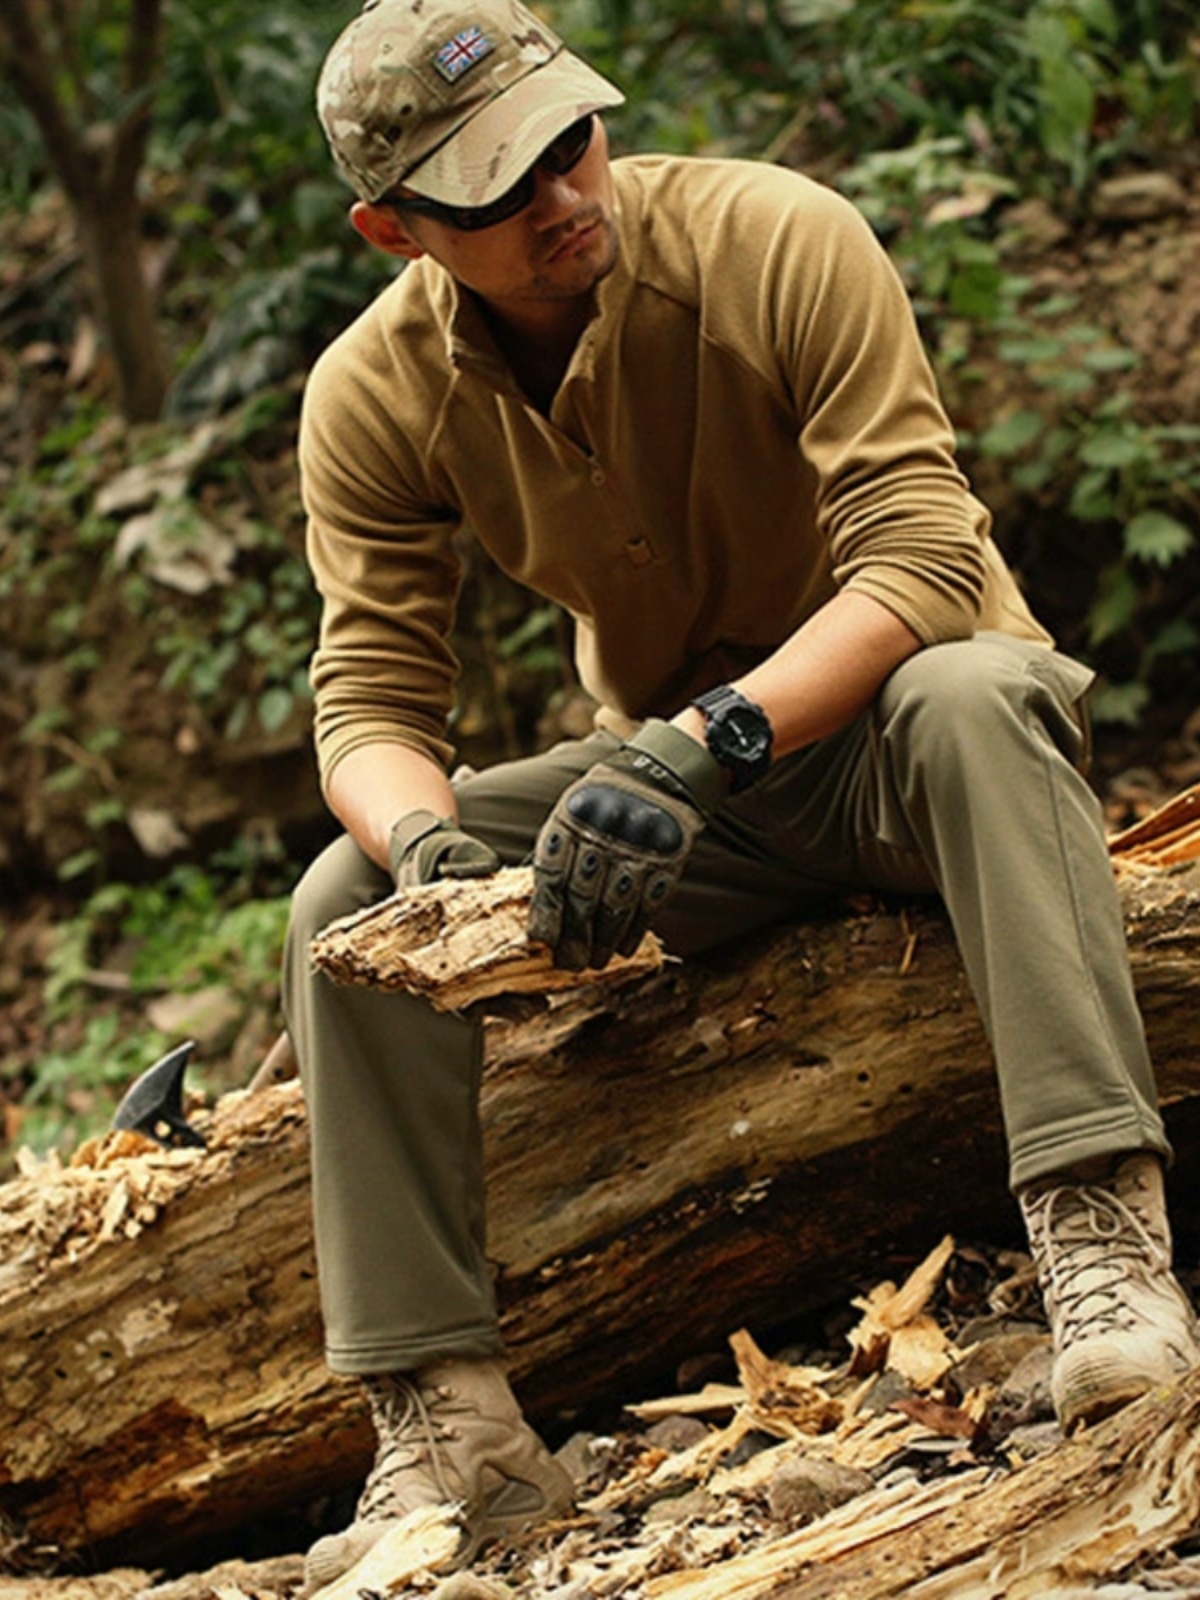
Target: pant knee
340	881
971	699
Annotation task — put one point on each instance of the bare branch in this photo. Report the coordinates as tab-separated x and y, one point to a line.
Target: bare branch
33	76
65	24
138	92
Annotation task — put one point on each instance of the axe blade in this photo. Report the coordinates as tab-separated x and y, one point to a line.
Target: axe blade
153	1103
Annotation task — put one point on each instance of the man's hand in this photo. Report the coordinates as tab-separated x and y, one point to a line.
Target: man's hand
612	850
424	847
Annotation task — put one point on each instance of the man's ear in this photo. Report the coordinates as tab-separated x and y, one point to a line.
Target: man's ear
381	226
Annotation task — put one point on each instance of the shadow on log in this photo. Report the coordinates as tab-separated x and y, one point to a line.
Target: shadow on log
706	1147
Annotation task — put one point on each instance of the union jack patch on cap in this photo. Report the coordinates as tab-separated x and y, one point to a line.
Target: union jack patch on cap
460	54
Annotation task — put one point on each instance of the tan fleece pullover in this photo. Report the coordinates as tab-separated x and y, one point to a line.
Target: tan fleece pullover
748	424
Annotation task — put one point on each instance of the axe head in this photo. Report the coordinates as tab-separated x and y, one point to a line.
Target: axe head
153	1103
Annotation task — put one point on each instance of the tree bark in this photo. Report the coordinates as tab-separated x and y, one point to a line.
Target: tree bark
109	227
716	1145
98	163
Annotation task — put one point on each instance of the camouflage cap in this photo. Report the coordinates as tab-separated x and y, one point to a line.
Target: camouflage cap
453	98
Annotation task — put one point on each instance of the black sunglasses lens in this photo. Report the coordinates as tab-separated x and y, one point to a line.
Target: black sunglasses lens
471	218
567	151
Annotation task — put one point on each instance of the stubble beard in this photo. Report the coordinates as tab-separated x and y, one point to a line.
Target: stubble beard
567	280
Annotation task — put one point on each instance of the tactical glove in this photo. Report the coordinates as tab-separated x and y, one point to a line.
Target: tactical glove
423	848
612	850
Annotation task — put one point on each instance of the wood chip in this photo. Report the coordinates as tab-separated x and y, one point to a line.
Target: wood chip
714	1397
1173	828
860	1521
920	1352
782	1399
888	1309
426	1541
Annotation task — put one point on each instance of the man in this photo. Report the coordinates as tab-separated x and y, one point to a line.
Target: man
686	400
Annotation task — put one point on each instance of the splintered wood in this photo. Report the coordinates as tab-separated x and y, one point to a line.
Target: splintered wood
1167	837
460	942
1120	1493
424	1542
114	1187
894	1331
1123	1492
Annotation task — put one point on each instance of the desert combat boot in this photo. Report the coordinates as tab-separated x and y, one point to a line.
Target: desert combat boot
451	1434
1121	1323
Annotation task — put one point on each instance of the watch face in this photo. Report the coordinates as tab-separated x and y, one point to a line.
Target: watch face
738	735
745	733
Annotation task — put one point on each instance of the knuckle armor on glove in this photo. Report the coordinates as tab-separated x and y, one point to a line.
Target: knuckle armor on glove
615	845
423	848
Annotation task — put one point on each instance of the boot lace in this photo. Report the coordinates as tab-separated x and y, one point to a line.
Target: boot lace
410	1431
1094	1247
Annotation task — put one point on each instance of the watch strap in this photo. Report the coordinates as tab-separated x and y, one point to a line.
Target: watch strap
742	771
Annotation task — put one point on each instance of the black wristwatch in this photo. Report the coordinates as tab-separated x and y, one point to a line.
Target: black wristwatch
737	733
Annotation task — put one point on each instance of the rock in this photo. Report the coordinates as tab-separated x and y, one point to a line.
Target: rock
1138	197
805	1488
211	1016
157	832
1033	1439
585	1456
889	1388
1025	1395
996	1355
675	1508
179	548
466	1586
752	1444
676	1433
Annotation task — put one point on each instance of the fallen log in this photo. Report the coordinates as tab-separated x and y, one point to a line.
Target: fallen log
711	1145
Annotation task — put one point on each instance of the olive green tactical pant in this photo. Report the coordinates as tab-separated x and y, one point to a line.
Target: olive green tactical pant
963	779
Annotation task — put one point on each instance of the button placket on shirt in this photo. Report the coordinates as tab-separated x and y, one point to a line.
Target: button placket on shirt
635	547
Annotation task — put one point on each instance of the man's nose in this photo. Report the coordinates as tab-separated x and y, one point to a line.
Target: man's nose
555	196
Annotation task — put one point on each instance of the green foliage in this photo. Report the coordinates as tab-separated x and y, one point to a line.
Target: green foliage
1023	85
249	194
1138	483
245	657
191	930
179	934
237	652
79	1084
934	199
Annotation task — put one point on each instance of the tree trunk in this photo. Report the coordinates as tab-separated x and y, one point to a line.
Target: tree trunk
98	160
716	1145
110	234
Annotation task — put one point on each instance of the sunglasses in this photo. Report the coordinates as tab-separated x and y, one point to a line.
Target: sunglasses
559	156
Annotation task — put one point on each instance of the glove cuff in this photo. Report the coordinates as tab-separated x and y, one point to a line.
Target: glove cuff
408	831
698	773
